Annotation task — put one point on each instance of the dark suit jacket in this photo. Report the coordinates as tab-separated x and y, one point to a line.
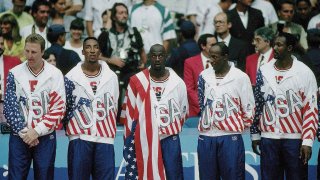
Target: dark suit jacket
251	66
238	51
192	68
255	20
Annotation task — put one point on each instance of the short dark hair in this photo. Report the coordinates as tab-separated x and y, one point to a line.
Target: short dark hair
291	39
307	1
90	38
281	2
313	37
203	40
77	24
37	3
223	47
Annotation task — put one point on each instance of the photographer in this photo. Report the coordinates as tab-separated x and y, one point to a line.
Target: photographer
122	47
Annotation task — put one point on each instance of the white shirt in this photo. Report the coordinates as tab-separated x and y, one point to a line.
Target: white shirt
266	57
314	22
244	18
205	61
226	40
268	12
77	50
27	30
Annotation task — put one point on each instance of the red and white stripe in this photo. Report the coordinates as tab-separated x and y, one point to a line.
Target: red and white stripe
55	113
137	107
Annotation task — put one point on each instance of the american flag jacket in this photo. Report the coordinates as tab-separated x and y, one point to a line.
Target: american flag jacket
146	119
226	107
34	100
286	109
89	116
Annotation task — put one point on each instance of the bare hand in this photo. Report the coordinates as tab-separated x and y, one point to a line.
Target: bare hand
305	153
30	136
23	132
117	61
256	146
34	143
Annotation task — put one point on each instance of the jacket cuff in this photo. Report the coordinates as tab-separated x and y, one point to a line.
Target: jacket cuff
307	142
41	129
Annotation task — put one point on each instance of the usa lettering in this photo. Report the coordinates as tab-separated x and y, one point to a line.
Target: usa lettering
88	116
39	105
219	110
283	107
168	113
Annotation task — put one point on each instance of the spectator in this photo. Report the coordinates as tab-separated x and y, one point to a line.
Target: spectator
58	14
13	42
193	66
66	59
314	22
73	7
285	14
50	58
245	20
76	33
6	63
268	12
40	11
23	18
187	48
201	13
263	38
93	11
154	22
238	49
303	13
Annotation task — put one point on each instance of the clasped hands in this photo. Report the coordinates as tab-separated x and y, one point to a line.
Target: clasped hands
29	136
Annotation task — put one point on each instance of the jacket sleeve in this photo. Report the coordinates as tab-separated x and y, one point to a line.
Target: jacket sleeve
201	89
57	107
70	100
259	102
310	110
192	88
184	106
11	106
247	102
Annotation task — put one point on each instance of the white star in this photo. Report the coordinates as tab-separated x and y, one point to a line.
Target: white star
130	174
134	160
133	167
129	156
124	147
130	149
132	141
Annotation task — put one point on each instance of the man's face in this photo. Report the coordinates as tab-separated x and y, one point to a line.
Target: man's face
18	6
121	16
260	44
60	6
210	41
42	15
286	12
280	48
220	23
157	56
91	51
33	53
303	9
217	60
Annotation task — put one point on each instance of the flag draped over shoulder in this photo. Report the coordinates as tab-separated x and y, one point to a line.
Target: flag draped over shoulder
142	150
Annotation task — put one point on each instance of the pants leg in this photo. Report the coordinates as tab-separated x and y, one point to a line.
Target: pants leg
80	159
231	157
103	161
20	156
207	157
270	164
172	158
44	156
293	166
